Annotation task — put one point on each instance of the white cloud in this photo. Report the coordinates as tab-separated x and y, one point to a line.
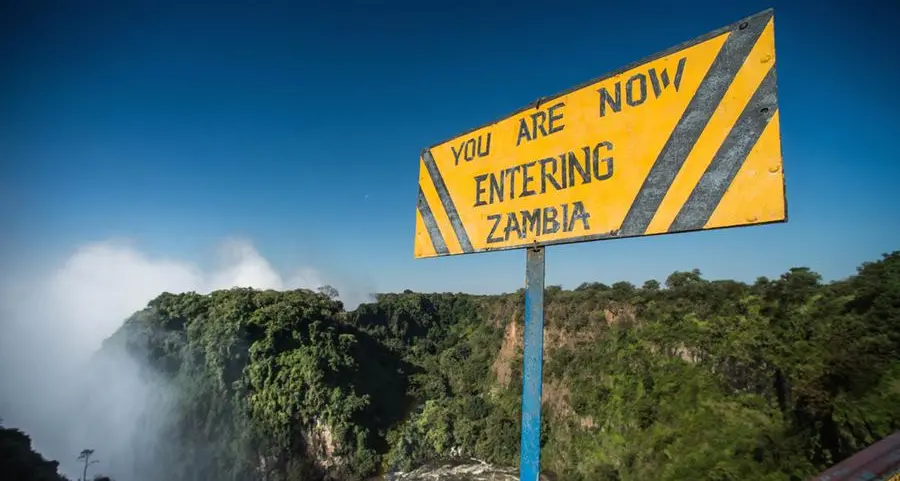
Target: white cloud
54	323
242	266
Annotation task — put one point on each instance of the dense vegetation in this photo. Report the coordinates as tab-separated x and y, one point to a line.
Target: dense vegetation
691	379
19	461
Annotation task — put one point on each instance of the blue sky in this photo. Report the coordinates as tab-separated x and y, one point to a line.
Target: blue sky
298	127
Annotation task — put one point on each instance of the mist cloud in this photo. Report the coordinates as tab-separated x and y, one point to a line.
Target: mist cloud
52	326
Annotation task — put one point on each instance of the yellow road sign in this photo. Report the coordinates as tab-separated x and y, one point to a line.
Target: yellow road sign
686	140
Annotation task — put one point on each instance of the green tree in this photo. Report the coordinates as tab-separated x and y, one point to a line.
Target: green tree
719	380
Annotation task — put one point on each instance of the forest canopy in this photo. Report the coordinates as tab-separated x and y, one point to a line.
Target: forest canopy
685	379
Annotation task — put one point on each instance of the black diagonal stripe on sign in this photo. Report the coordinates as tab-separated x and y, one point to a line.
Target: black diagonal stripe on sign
694	119
708	192
437	240
447	202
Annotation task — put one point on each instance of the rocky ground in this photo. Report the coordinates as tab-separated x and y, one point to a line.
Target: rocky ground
477	471
466	472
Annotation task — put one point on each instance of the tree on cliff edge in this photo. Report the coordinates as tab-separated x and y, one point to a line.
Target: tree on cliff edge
86	457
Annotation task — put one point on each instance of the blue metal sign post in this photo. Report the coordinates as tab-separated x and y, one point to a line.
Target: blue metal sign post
530	449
